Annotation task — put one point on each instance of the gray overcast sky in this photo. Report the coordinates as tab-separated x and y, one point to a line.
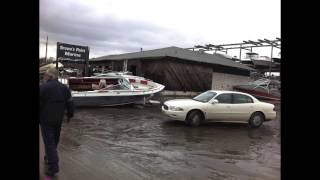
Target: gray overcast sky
119	26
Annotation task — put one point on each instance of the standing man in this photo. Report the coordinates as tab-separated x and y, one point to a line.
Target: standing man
55	98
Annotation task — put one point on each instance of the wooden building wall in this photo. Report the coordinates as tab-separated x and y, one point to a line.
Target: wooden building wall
178	75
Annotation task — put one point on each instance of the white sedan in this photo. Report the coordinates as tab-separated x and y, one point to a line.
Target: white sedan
226	106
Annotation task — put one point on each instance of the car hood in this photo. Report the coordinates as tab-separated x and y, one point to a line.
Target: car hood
182	102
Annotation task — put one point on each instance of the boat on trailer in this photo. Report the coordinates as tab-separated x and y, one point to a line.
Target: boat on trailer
111	89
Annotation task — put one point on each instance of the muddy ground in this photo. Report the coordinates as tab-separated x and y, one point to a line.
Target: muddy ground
131	142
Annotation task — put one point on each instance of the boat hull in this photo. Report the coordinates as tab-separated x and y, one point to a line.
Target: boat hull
108	100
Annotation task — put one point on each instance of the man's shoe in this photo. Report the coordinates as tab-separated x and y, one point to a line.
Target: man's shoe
50	173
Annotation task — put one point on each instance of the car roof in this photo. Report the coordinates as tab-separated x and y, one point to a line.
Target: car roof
225	91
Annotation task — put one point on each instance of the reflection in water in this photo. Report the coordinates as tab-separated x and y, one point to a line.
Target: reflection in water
217	138
142	143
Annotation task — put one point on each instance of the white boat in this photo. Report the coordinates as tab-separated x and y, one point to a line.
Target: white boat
263	62
111	89
248	59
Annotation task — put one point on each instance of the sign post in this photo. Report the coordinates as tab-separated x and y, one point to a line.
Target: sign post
57	56
87	63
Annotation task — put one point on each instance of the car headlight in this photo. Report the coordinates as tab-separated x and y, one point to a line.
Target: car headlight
173	108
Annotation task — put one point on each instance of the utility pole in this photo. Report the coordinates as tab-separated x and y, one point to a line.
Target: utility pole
240	52
46	49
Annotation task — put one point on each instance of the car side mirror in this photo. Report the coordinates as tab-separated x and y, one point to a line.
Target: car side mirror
214	101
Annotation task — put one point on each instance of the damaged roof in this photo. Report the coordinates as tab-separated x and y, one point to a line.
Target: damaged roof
176	52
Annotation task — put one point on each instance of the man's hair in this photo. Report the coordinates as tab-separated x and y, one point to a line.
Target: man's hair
52	73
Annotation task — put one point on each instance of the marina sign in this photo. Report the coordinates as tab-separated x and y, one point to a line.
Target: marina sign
72	52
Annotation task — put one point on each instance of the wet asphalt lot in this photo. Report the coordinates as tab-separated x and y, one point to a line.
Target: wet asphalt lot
133	142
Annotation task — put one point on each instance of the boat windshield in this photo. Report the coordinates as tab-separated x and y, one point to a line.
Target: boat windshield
205	97
125	83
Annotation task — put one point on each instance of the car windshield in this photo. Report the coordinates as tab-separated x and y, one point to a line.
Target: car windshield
205	97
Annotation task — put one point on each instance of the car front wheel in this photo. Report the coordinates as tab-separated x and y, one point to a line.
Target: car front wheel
256	120
194	118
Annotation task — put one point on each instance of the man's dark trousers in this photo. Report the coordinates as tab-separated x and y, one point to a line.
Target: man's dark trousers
50	135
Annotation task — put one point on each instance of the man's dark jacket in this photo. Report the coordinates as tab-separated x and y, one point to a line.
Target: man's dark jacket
55	98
